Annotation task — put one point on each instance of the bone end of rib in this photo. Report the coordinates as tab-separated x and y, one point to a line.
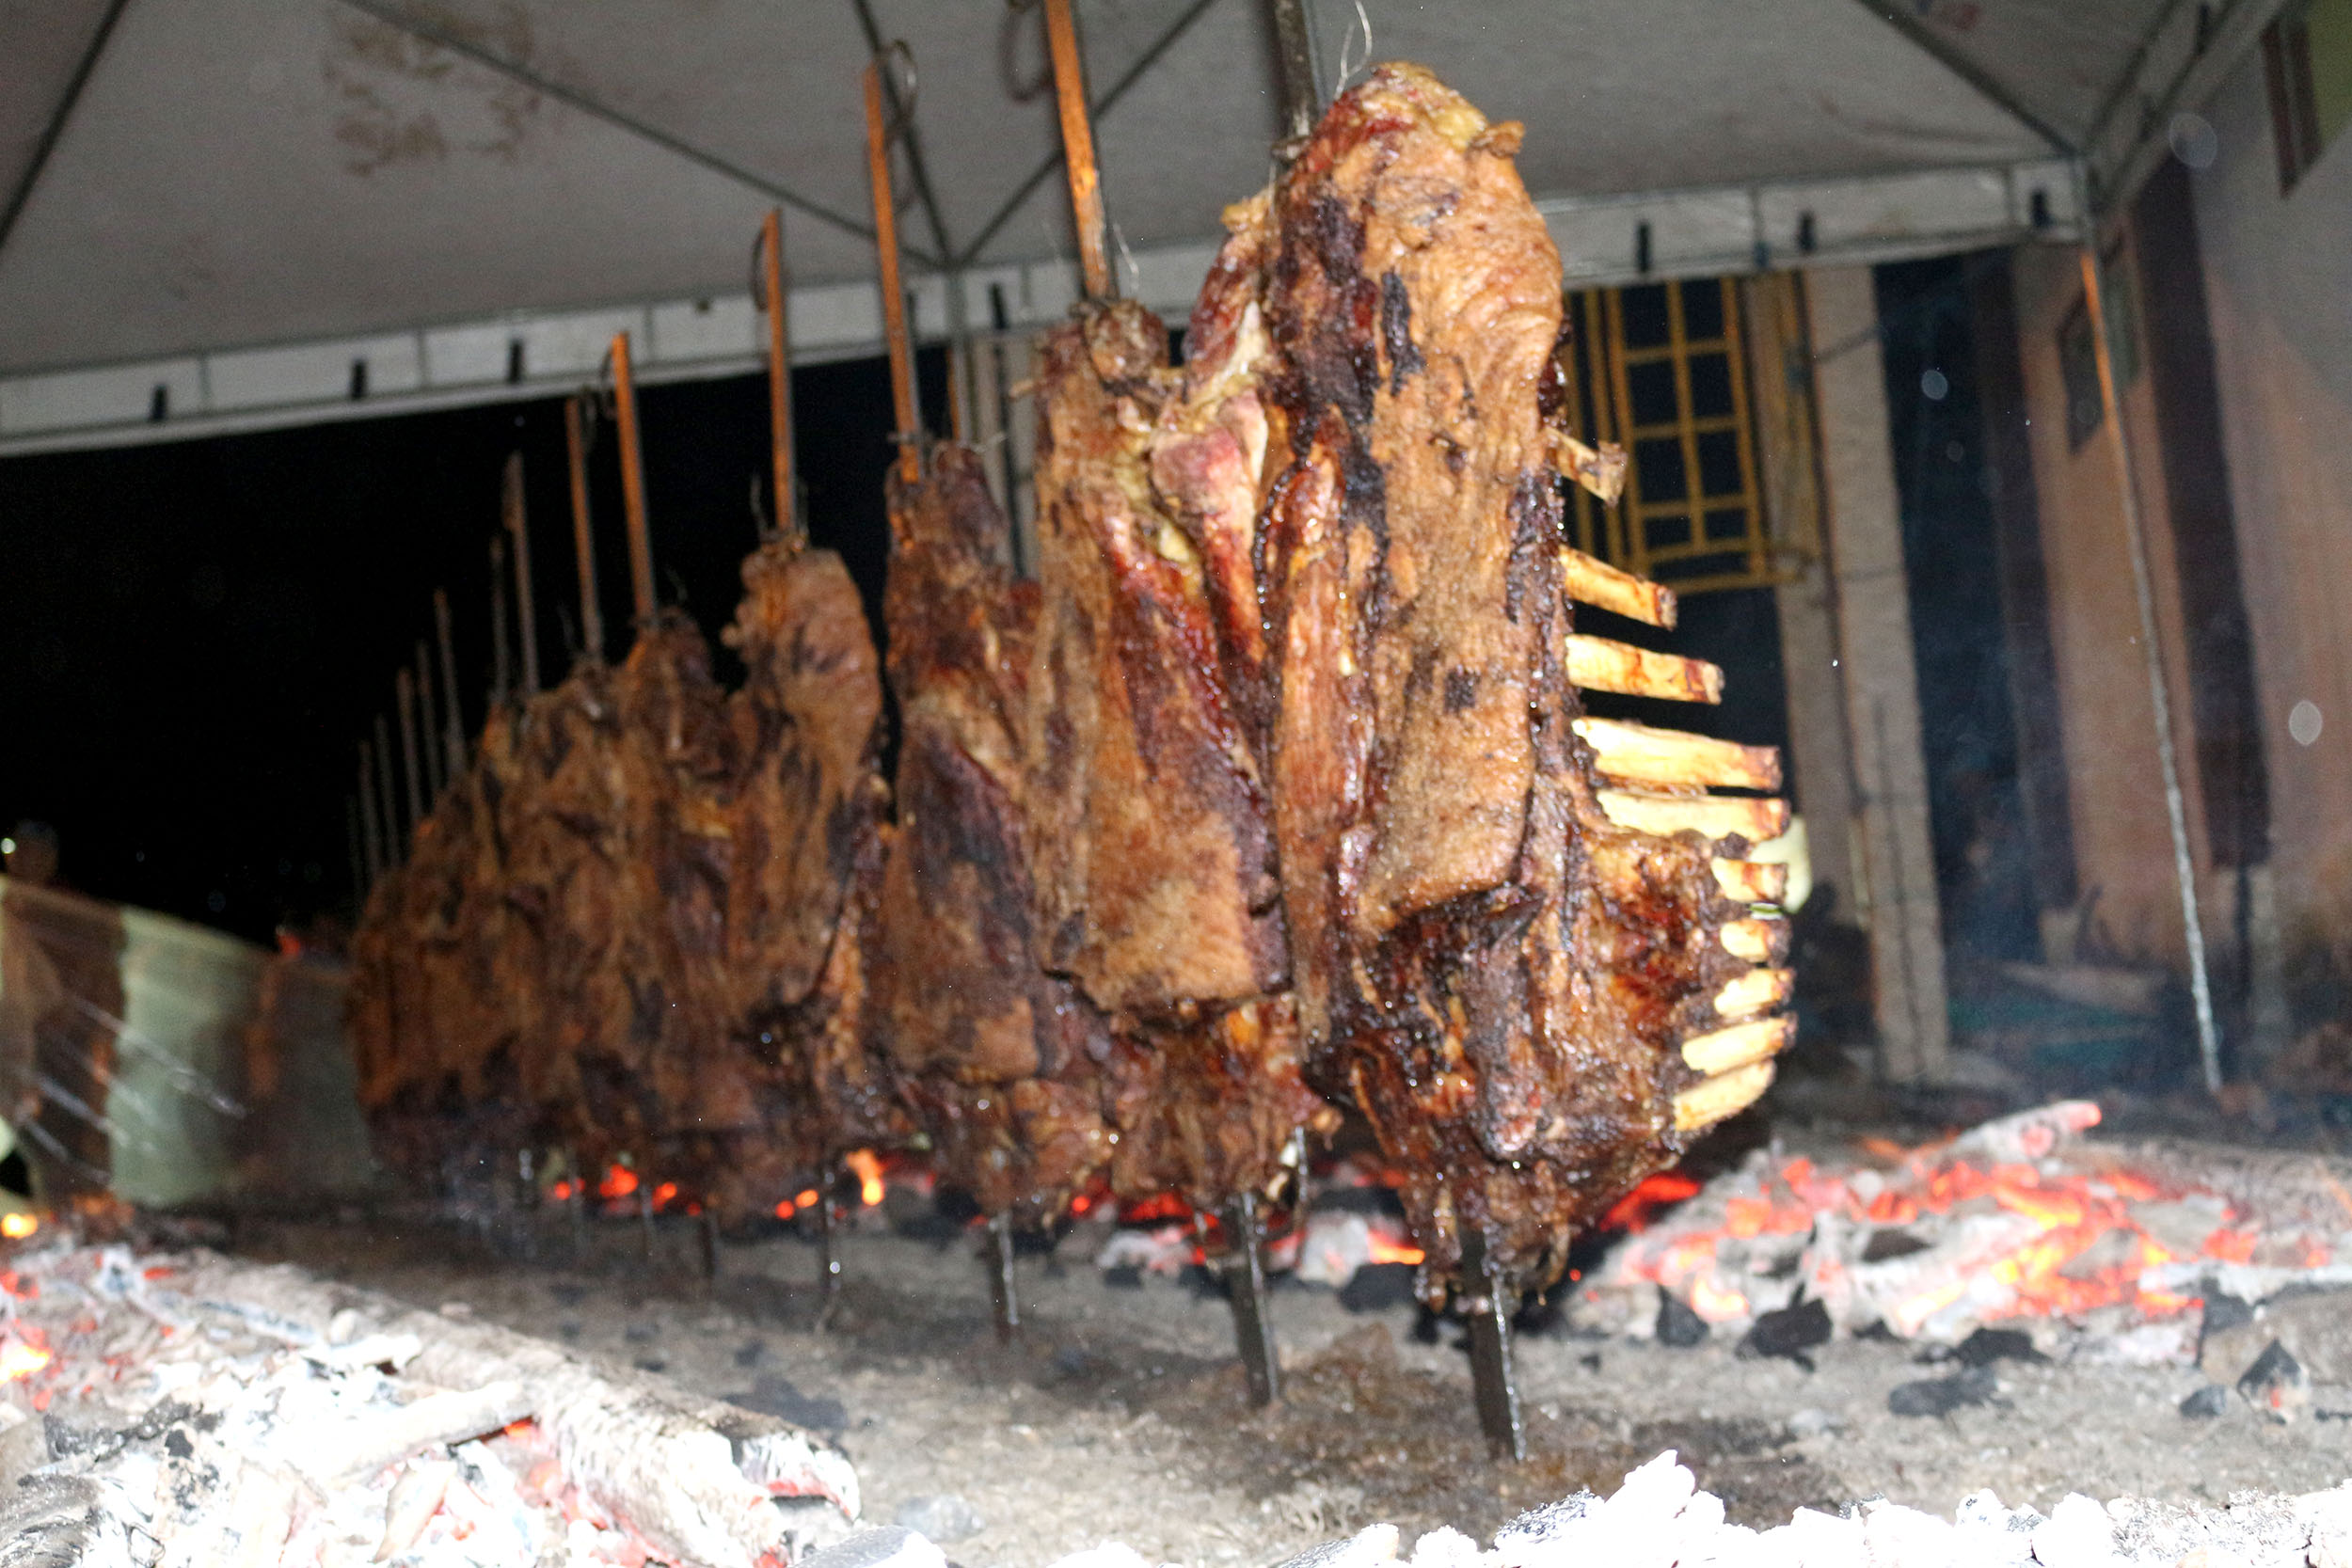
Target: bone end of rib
1738	1045
1642	753
1599	469
1758	991
1594	582
1709	815
1757	940
1752	882
1598	664
1712	1100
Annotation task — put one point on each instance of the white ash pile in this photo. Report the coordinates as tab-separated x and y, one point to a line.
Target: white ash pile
1660	1519
2139	1255
169	1409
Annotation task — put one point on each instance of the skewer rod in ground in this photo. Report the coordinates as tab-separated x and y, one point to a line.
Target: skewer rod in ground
584	534
633	481
1492	1379
893	291
1077	147
518	533
997	1252
1245	1284
370	831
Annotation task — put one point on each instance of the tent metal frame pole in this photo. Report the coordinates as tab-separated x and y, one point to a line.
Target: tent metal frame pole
1987	87
55	131
2159	696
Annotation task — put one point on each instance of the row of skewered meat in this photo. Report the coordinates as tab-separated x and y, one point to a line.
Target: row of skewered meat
1269	792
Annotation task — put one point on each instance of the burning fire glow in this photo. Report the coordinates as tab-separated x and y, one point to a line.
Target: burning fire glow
22	1353
2005	1237
868	1168
619	1181
16	1226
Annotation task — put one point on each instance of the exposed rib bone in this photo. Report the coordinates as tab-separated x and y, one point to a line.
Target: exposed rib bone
1599	665
1710	816
1739	1044
1757	940
1597	582
1752	992
1600	469
1753	881
1710	1101
1642	753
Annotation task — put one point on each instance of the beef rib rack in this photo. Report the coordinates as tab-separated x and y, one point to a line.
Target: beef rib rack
1516	933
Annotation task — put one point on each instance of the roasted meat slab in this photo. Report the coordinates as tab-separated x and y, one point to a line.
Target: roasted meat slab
1152	851
1002	1062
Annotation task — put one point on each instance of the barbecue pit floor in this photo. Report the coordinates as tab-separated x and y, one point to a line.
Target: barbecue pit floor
1119	1414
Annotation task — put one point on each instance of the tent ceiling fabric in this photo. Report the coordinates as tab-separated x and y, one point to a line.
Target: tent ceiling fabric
249	171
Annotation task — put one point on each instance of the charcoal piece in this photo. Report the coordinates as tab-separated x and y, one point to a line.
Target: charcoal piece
1941	1395
1377	1287
749	1352
1893	1241
1124	1276
2224	1312
2206	1403
2275	1384
1788	1333
1988	1345
775	1395
1677	1325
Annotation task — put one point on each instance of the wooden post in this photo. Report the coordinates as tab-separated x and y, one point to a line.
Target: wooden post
499	679
390	795
1077	145
453	712
518	529
428	728
404	695
894	297
583	532
370	830
633	483
779	374
2159	697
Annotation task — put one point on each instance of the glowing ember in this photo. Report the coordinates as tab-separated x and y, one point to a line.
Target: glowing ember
868	1168
22	1353
619	1181
1387	1251
1934	1239
16	1226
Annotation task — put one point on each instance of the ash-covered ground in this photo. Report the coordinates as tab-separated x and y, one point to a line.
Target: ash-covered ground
1119	1414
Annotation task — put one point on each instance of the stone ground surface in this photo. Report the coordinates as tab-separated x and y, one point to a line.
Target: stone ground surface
1119	1414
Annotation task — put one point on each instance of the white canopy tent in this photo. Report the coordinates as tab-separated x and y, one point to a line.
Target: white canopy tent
220	215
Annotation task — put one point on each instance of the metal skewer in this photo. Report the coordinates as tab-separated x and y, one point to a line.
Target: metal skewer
1244	1283
519	530
1077	144
404	696
583	532
453	714
878	133
779	375
1488	1303
997	1254
633	483
501	680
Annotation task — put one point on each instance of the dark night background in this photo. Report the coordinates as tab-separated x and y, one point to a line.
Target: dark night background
199	633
